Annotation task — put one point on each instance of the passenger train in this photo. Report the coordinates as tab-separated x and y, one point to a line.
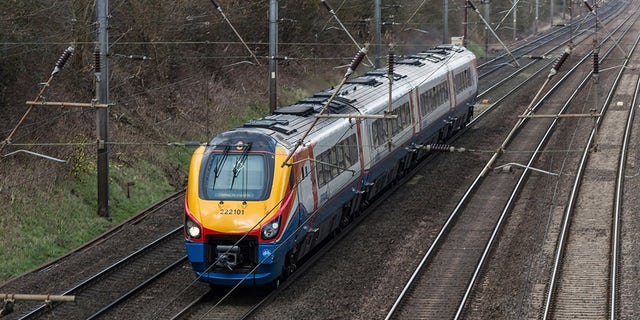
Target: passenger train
259	198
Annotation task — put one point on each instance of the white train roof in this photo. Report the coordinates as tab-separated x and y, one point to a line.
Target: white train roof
366	94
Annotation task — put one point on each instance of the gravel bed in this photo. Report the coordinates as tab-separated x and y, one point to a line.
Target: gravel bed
361	276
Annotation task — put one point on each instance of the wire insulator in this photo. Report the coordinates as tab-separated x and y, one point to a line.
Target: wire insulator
470	5
589	7
562	59
596	62
96	60
138	57
68	52
440	147
560	62
391	62
215	4
356	61
326	5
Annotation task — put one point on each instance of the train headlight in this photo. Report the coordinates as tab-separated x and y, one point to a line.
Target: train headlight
192	229
270	230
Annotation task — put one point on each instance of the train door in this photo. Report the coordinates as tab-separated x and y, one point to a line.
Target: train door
307	197
305	187
452	91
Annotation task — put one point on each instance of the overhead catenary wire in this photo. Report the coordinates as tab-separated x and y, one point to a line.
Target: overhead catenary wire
234	30
352	68
427	147
335	16
602	25
473	7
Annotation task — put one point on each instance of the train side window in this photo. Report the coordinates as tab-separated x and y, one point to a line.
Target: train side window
322	169
395	128
405	115
434	98
347	152
340	157
333	162
424	102
446	91
353	149
378	132
374	134
462	80
403	120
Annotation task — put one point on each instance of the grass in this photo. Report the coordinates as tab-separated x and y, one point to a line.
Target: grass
61	216
51	222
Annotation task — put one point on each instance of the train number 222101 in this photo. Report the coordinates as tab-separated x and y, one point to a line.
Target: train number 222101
232	211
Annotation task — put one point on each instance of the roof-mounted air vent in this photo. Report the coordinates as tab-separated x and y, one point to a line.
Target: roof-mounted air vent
273	124
298	109
411	62
366	81
383	73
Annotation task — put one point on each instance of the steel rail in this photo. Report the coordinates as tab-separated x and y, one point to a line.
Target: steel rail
138	288
514	74
520	85
558	33
575	190
465	198
620	178
553	35
107	270
187	308
514	194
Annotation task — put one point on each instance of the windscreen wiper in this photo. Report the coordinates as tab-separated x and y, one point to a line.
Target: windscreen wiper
240	163
219	165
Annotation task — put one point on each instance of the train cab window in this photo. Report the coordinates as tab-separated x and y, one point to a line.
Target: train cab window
234	176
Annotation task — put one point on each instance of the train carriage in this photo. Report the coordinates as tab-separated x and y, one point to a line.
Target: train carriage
250	216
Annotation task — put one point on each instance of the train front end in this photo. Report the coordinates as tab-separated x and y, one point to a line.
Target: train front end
237	206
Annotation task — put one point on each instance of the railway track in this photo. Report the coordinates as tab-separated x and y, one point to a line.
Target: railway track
242	303
561	35
589	235
234	303
100	288
99	293
523	80
453	264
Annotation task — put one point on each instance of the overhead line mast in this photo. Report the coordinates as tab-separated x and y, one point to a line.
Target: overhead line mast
102	114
